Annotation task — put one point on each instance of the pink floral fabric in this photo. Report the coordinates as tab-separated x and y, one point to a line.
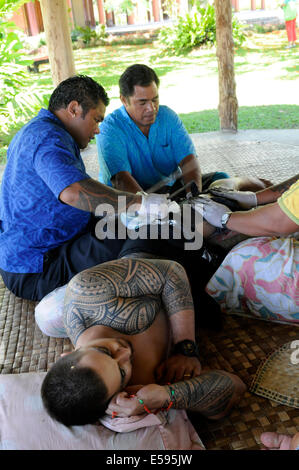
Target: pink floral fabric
260	277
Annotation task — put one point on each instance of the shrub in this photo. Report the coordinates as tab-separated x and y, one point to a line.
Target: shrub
196	29
87	37
16	100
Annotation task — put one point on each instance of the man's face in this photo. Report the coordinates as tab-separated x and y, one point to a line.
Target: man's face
143	105
84	129
111	359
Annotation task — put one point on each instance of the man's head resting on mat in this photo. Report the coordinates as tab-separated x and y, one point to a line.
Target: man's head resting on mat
78	387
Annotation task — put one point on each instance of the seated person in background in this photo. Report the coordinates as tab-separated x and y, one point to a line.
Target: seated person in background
132	325
48	201
144	145
260	275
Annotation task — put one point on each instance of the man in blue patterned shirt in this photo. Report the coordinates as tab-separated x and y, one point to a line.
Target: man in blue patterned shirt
48	201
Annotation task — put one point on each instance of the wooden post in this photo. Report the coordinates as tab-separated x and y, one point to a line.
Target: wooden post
32	20
263	4
228	104
101	10
58	38
156	10
131	19
253	5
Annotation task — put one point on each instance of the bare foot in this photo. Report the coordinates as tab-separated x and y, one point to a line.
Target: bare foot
276	441
242	183
251	184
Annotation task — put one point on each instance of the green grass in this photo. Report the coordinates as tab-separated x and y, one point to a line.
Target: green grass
249	117
266	74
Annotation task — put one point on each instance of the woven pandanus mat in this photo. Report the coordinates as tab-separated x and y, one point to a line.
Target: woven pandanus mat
23	347
270	160
241	347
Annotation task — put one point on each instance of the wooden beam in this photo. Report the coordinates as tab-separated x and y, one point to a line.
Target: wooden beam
228	104
56	23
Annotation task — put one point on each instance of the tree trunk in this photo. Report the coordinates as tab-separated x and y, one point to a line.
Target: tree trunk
56	23
228	103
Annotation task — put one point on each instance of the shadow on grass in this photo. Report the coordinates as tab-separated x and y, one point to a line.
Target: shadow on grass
249	117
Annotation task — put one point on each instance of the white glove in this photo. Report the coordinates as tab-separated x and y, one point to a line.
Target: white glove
154	205
246	199
151	213
211	211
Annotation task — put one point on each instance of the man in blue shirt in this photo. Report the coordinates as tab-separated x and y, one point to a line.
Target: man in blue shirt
48	201
142	143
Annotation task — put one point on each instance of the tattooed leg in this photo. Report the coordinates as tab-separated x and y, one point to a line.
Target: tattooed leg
212	394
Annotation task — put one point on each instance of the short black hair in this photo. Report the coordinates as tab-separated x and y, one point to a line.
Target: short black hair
73	394
79	88
137	74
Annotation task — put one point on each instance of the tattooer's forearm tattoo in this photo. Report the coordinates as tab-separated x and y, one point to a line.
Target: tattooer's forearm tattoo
209	393
91	194
284	186
126	295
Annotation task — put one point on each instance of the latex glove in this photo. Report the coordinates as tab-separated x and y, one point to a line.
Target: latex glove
246	199
135	221
197	202
212	211
154	205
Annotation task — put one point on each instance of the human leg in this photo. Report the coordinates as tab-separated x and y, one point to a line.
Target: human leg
61	264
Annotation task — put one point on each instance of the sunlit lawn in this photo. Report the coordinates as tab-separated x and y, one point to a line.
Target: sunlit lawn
267	81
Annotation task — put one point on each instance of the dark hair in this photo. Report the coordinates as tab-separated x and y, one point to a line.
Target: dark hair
137	74
74	395
79	88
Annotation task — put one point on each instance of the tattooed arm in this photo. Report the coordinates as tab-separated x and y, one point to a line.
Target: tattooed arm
89	193
212	394
272	193
126	295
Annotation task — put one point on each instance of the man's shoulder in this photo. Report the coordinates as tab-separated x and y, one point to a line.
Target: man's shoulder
118	115
166	113
166	110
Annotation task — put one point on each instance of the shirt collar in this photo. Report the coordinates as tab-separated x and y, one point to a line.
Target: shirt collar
130	120
45	113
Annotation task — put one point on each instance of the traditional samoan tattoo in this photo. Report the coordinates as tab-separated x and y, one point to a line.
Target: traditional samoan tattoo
208	394
282	187
126	295
91	195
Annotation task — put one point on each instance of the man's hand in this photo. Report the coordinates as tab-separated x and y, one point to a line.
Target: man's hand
178	367
123	405
158	213
245	199
154	205
153	397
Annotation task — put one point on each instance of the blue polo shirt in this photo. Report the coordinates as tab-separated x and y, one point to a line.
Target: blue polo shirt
42	160
123	147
